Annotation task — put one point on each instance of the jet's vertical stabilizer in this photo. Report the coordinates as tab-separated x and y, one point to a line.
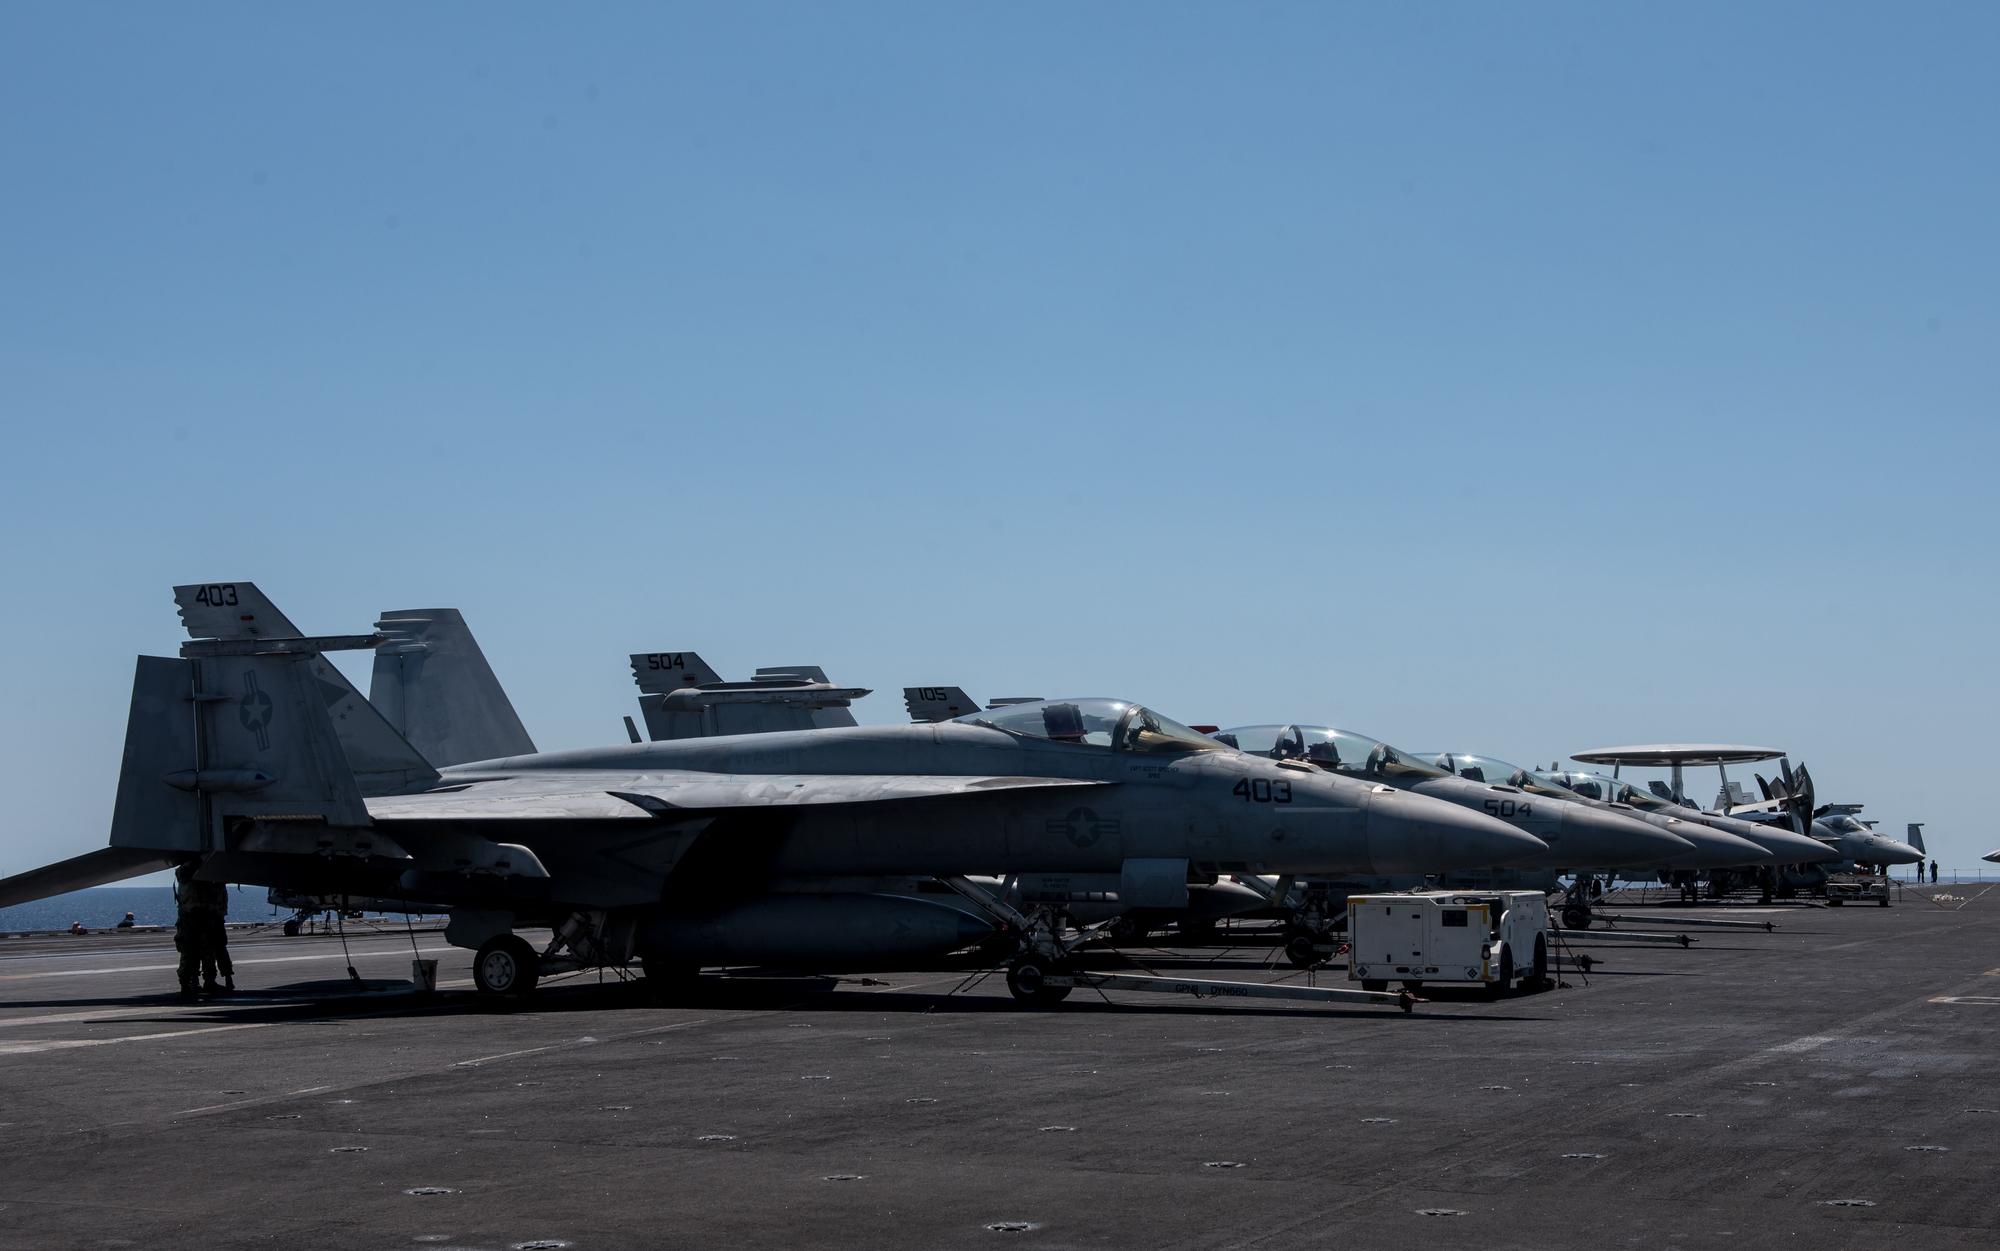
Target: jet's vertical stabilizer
384	763
218	743
231	610
1916	838
659	673
432	683
937	703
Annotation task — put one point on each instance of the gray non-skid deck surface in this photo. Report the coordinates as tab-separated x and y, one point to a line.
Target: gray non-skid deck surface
1719	1096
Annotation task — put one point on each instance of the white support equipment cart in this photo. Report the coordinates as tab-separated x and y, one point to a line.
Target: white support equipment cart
1491	937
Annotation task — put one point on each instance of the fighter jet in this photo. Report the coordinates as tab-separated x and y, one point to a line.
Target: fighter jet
706	851
1857	842
1094	899
1786	846
1712	848
1991	857
1577	836
1790	799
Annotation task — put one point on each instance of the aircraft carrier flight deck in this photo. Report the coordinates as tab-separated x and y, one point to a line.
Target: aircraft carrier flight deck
1831	1083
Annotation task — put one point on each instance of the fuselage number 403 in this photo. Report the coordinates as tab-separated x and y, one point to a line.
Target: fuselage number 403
1263	791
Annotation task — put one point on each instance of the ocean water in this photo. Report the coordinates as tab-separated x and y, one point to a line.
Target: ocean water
101	906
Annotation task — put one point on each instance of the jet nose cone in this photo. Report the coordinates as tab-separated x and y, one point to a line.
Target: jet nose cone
1595	839
1409	833
1715	849
1894	852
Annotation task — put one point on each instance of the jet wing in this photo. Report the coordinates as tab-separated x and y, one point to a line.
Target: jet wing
642	797
107	864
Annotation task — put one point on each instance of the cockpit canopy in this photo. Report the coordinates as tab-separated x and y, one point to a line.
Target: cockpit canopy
1497	773
1111	723
1331	749
1846	823
1613	790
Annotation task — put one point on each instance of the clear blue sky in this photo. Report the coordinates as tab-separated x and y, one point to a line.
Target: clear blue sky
1507	378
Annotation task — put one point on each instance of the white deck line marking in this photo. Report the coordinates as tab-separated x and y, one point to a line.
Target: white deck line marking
1990	1001
70	1044
1810	1042
509	1055
167	968
240	1103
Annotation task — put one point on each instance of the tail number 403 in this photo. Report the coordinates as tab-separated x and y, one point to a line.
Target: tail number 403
1263	791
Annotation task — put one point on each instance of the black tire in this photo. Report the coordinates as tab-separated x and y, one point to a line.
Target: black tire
1198	933
1374	983
1126	929
1412	985
292	928
1883	902
1024	982
1576	916
1538	975
506	965
1498	988
1301	952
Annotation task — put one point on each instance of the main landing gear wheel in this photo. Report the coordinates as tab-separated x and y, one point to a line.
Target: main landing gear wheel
291	928
1126	929
1302	951
1576	916
1025	982
506	965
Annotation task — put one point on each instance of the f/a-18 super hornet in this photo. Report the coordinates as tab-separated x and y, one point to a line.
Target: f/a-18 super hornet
1840	827
1792	851
1790	799
1714	850
1094	898
1576	836
717	850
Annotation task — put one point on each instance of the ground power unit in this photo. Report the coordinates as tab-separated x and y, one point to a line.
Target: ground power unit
1494	938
